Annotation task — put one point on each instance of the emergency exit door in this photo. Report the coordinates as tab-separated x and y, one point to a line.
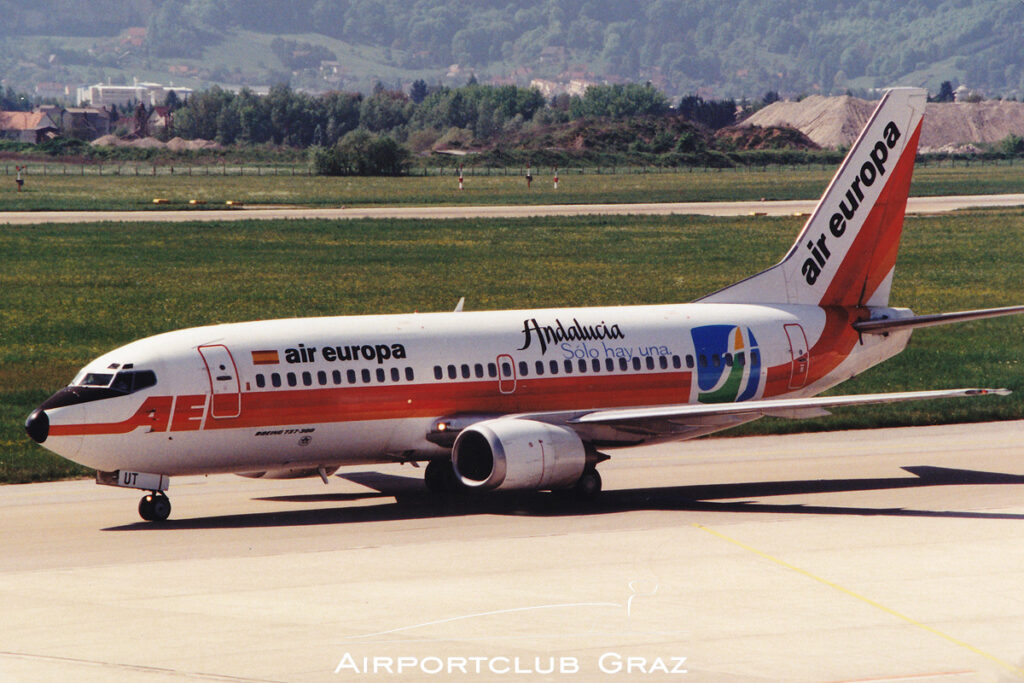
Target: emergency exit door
799	355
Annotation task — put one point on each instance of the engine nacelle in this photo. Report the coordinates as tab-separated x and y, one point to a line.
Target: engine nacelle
507	453
290	473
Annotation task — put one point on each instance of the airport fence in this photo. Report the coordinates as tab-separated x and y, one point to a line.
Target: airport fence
243	169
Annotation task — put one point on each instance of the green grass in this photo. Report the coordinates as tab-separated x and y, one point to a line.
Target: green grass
70	293
58	192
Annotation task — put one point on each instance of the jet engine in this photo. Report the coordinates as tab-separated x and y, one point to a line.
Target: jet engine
509	453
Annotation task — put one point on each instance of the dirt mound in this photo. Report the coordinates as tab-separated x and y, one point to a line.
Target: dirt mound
962	123
757	138
180	144
828	121
836	121
106	141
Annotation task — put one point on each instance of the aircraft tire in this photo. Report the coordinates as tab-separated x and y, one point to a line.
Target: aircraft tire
440	479
589	485
146	508
155	507
161	507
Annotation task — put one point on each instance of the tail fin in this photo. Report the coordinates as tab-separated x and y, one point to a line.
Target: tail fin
846	252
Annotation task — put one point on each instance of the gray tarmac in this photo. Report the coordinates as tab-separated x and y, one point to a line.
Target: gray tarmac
875	555
766	208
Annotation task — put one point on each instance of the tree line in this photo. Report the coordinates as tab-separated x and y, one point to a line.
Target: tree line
386	124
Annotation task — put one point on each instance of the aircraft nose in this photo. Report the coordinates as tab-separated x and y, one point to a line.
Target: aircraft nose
38	425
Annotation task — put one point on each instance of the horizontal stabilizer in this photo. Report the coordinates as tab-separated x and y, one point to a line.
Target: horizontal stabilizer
886	325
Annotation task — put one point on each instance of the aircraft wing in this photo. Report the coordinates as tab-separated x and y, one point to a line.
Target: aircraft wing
677	420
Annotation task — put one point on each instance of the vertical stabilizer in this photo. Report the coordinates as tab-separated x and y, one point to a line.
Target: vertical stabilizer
846	252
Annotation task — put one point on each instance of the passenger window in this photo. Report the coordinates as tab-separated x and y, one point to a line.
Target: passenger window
366	376
728	359
524	369
307	379
478	370
465	371
740	359
409	374
275	379
452	372
554	367
703	361
689	361
663	362
540	367
380	375
350	375
506	368
260	381
291	379
623	364
677	362
336	376
395	375
609	364
636	363
582	365
596	364
716	361
755	357
321	377
438	372
650	362
492	370
568	366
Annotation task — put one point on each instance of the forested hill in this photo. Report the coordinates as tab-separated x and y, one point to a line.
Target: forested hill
740	48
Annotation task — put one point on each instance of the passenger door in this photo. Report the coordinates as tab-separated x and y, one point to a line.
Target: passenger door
224	384
799	355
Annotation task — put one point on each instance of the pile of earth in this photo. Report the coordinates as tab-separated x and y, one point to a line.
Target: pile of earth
656	134
948	126
174	144
746	138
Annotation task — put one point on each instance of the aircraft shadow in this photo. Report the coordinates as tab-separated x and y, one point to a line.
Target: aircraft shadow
412	501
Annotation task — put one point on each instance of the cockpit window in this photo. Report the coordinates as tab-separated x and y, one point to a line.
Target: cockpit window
125	382
96	379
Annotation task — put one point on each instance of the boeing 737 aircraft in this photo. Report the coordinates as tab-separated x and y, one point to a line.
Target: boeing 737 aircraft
524	399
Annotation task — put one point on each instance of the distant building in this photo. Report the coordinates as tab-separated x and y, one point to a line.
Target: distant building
150	94
54	91
549	89
85	123
27	126
159	121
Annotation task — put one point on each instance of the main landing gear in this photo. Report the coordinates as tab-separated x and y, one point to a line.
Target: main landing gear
588	486
155	507
439	476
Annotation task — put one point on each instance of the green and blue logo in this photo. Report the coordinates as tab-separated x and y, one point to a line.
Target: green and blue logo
728	363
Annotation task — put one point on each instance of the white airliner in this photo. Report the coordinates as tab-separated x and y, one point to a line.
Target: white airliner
522	399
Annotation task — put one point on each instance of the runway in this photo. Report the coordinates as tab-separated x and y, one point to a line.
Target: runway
881	555
766	208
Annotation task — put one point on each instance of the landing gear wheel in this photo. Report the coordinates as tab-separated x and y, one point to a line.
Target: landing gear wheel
155	507
440	478
146	508
588	486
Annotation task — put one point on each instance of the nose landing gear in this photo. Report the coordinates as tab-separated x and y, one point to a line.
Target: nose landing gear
155	507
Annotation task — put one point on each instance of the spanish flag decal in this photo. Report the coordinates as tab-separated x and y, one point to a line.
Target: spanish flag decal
265	358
